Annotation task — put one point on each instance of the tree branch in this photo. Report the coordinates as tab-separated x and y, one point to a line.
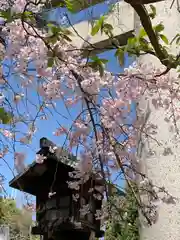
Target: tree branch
161	53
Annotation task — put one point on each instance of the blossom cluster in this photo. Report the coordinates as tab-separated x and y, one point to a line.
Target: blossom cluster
25	45
70	79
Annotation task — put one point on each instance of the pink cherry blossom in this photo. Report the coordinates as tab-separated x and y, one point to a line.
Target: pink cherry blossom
60	131
40	158
19	163
7	133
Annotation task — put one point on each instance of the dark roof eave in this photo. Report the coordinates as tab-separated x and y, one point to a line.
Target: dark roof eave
32	165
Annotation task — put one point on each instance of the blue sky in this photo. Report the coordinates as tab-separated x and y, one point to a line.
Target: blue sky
46	127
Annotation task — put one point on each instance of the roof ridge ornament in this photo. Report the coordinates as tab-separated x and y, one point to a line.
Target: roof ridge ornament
45	142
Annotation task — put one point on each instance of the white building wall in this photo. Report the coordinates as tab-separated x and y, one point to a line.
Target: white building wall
163	170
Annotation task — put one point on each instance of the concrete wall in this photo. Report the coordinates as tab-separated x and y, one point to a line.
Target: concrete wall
122	19
162	168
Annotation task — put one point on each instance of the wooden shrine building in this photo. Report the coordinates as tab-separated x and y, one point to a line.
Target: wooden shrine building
59	216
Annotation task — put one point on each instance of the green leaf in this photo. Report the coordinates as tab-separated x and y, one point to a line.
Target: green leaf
175	38
66	37
6	15
27	13
153	11
108	26
178	40
142	33
98	64
57	4
104	61
120	55
66	3
66	31
69	5
50	25
159	28
94	58
131	41
107	29
143	42
101	20
54	29
95	29
52	40
99	24
101	69
97	59
164	38
5	116
58	32
50	62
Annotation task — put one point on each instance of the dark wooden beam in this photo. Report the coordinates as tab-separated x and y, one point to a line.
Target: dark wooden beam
138	2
